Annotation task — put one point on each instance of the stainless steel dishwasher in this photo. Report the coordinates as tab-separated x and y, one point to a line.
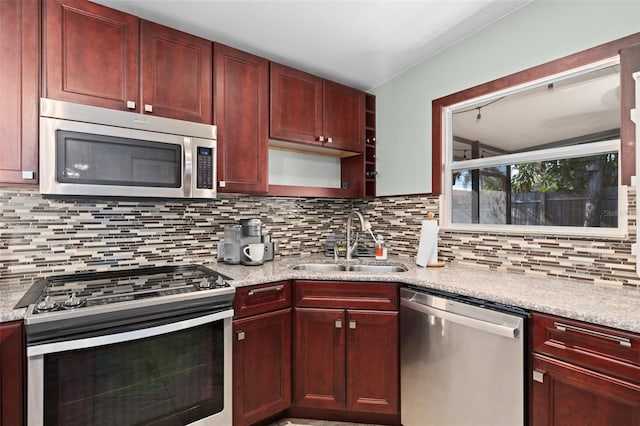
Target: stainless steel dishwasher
462	360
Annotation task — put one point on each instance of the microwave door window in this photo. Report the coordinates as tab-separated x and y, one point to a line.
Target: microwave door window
106	160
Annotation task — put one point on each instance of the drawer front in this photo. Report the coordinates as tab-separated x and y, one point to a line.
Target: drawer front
257	299
603	349
348	295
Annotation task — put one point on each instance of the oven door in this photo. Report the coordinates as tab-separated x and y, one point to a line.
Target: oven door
169	374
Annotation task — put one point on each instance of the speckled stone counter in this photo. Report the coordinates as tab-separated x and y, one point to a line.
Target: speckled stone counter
611	306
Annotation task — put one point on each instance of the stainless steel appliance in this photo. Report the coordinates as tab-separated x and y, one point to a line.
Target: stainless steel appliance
86	150
129	347
462	360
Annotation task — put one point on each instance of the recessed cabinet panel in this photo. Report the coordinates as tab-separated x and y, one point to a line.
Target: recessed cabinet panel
11	372
19	87
296	105
372	361
176	73
320	358
261	366
241	114
344	119
91	54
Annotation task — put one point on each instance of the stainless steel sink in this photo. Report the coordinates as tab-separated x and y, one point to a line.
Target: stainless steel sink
320	267
336	267
377	268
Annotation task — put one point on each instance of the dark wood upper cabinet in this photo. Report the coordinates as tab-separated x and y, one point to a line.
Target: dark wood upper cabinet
296	105
19	83
12	367
99	56
241	111
175	70
307	109
344	118
91	54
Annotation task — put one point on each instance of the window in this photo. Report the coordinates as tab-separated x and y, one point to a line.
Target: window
541	155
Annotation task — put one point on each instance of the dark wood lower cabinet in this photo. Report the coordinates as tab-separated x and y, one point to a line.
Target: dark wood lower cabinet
12	378
372	361
261	366
346	363
320	358
569	395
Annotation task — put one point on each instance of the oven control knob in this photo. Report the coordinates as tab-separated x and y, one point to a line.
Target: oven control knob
47	305
221	282
73	301
204	283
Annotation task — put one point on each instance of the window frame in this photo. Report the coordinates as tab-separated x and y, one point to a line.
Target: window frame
573	151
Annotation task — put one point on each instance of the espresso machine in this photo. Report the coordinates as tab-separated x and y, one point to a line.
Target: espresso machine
246	244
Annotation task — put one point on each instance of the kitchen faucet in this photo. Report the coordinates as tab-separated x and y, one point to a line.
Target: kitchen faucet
364	225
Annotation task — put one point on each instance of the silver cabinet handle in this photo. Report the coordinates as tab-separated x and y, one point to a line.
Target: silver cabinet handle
28	174
489	327
240	335
352	324
320	138
623	341
148	108
131	105
338	323
538	376
265	289
329	140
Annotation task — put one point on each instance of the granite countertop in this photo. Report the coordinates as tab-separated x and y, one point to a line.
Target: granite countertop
612	306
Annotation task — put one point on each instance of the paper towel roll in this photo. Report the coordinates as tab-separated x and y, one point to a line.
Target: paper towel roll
428	247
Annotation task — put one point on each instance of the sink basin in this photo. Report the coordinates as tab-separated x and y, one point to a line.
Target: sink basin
320	267
377	268
336	267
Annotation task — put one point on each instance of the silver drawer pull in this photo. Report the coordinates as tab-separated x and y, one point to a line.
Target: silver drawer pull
265	289
352	324
338	323
241	335
538	376
565	327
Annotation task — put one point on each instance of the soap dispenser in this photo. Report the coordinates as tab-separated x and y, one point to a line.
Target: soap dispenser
381	250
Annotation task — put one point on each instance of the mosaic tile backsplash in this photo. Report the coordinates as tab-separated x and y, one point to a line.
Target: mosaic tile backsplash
41	236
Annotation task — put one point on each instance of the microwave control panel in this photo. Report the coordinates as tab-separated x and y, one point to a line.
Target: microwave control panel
204	164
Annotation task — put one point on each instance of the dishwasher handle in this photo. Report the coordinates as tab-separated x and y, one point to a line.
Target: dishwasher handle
489	327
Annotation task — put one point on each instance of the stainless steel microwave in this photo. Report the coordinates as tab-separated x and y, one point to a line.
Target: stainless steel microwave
92	151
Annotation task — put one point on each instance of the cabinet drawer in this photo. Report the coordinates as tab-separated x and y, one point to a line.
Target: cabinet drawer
256	299
603	349
349	295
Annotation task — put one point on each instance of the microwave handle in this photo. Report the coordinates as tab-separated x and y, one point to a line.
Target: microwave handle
188	167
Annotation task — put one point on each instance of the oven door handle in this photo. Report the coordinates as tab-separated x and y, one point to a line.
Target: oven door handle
91	342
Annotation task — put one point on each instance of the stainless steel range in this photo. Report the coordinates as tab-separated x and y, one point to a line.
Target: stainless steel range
130	347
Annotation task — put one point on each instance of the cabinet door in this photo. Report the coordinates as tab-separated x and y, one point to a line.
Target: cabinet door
19	72
296	105
11	372
319	358
91	54
261	366
343	123
175	74
241	114
570	395
372	361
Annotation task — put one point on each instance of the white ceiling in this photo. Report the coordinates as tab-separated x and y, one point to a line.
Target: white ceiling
360	43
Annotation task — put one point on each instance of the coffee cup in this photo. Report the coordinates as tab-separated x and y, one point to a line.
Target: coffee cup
255	252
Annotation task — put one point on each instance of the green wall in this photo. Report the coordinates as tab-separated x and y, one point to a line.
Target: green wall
541	31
